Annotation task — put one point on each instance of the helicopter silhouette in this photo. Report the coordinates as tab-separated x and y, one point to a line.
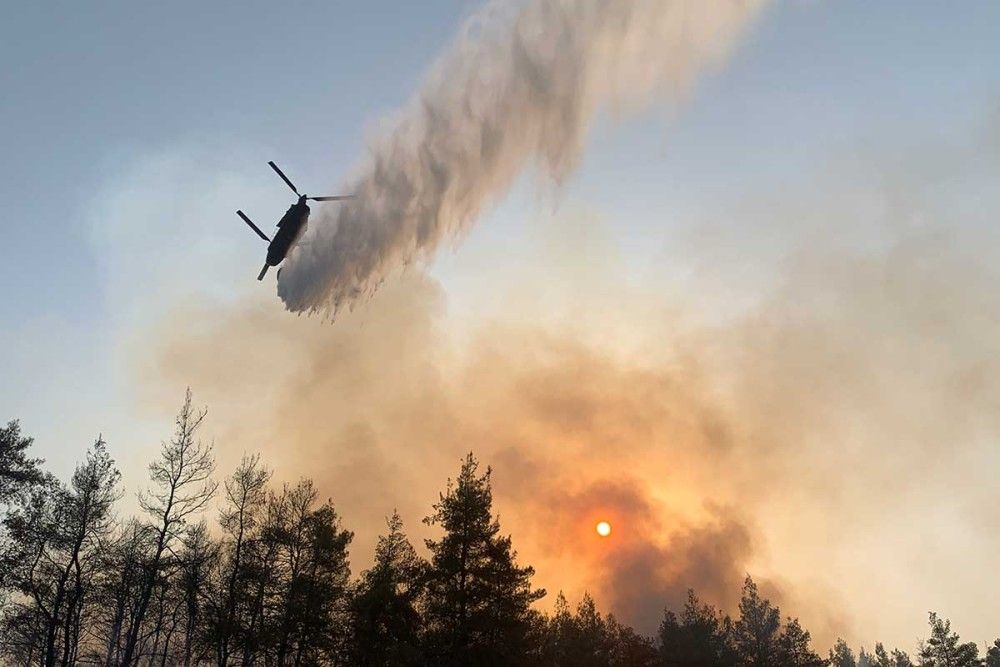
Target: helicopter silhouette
290	227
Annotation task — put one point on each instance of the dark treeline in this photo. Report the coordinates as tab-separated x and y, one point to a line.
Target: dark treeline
268	582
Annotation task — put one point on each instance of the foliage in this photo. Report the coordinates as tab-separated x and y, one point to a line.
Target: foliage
269	582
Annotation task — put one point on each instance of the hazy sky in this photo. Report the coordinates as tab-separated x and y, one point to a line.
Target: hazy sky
131	133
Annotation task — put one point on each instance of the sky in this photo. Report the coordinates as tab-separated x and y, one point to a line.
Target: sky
778	288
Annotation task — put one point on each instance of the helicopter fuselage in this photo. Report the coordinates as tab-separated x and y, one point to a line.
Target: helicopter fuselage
291	225
289	228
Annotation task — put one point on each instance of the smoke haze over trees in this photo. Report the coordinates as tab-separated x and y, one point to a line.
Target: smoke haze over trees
249	572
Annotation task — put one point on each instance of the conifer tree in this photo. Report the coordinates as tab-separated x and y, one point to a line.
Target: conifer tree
945	648
478	599
700	637
17	470
590	645
884	658
755	634
245	497
628	648
794	649
55	542
993	654
311	565
841	655
387	624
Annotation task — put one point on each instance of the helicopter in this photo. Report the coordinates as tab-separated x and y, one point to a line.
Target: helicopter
291	225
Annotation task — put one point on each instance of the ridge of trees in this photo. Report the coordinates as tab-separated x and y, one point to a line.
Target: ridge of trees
270	583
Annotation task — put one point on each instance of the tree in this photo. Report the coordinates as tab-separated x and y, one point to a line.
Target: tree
628	648
386	621
311	564
86	517
246	495
589	644
755	634
993	654
27	572
945	648
19	476
841	655
55	543
263	588
895	659
699	638
793	647
181	487
117	580
586	639
17	471
197	562
555	634
477	601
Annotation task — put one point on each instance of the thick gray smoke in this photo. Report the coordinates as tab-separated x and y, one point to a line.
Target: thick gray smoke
521	86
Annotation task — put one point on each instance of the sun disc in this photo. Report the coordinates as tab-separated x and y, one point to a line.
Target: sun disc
603	528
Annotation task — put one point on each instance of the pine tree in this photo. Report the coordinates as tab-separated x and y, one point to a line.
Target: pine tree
895	659
589	645
17	471
841	655
556	634
699	638
311	622
245	495
993	654
628	648
793	647
55	544
477	602
945	648
387	624
755	634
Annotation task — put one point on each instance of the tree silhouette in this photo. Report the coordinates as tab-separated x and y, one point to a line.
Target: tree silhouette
993	654
312	570
896	658
269	583
199	557
477	600
945	649
387	622
794	649
755	634
239	518
841	655
17	470
699	638
182	486
54	549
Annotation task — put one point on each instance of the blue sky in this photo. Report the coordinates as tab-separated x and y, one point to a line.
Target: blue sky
89	88
132	131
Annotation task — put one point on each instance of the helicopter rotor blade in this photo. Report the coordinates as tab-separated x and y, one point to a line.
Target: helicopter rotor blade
253	226
284	178
335	198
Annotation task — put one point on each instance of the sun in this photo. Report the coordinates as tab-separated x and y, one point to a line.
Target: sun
603	528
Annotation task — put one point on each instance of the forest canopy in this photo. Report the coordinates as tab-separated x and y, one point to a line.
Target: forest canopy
237	570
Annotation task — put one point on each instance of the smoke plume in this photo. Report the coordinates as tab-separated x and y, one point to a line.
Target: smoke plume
835	424
521	85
